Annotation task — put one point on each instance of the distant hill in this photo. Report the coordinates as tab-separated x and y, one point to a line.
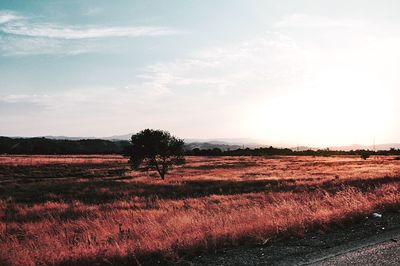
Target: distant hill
230	143
303	148
119	137
191	143
84	145
247	142
210	145
215	148
67	138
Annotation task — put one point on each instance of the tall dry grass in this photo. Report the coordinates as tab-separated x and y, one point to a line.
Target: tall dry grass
209	204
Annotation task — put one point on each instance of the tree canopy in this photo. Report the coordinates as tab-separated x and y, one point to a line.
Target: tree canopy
156	149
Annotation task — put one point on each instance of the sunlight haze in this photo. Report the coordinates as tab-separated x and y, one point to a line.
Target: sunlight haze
313	73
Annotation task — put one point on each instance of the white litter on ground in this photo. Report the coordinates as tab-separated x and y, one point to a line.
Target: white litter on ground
377	215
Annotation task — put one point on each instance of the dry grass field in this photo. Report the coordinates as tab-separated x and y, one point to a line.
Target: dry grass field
91	210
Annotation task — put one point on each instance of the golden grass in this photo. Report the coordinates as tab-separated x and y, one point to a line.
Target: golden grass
210	203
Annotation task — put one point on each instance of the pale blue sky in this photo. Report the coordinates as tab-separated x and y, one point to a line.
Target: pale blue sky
282	72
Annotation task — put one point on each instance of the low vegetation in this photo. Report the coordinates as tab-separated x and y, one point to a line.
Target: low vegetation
91	210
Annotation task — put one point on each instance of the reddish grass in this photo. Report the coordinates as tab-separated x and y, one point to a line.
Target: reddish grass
131	218
59	159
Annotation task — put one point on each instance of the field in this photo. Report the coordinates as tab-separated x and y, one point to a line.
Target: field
92	210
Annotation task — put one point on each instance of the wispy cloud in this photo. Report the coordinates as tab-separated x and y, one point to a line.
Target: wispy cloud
245	68
85	32
21	46
180	91
7	16
19	35
259	77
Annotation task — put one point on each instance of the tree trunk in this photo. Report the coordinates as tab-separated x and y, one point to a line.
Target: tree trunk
161	173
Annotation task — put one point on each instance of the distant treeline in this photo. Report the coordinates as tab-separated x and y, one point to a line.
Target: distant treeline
98	146
58	146
278	151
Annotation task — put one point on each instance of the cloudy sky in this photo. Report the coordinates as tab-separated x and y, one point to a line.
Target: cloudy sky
282	72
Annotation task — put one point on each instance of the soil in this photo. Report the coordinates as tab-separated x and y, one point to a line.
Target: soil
310	248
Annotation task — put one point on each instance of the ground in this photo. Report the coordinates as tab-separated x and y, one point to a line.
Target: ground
368	241
84	210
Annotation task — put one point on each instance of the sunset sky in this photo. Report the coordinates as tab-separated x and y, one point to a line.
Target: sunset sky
315	73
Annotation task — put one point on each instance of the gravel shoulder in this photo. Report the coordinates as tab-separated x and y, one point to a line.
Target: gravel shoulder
371	241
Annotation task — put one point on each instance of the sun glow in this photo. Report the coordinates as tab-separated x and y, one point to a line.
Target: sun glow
340	106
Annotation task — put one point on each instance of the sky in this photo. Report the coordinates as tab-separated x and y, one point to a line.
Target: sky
315	73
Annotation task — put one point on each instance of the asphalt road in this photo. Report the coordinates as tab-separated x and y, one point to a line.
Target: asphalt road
387	253
382	251
372	241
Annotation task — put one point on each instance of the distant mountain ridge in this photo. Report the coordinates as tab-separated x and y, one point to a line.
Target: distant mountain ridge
209	145
65	137
232	143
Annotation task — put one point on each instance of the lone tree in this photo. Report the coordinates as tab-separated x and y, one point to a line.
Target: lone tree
157	150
